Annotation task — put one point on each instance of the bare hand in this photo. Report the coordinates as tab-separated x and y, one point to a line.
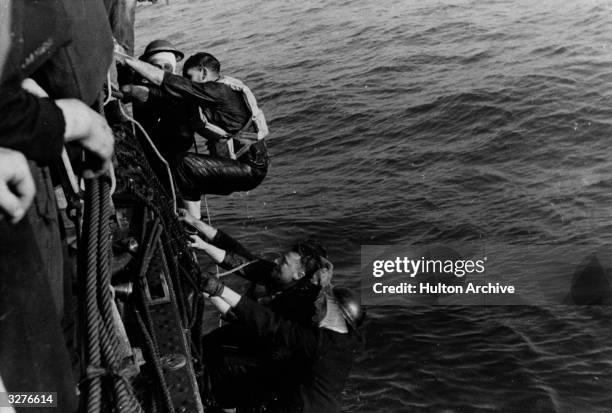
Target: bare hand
120	53
91	131
136	92
206	231
187	218
30	86
324	275
197	242
16	184
84	125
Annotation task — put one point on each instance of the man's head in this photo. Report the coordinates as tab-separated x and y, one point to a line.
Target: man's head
303	260
162	54
202	67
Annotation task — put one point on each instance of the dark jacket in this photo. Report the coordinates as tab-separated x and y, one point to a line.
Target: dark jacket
294	302
30	125
222	105
33	354
321	358
167	121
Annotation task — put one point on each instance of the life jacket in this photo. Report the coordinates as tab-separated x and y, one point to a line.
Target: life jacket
257	115
258	120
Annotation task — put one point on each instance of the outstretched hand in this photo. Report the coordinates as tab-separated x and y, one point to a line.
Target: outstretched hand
187	218
212	286
120	55
136	92
204	230
84	126
152	73
324	275
197	242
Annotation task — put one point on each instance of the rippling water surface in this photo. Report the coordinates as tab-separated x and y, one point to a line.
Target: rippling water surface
400	121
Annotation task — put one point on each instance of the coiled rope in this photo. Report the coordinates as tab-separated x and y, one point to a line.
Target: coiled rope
94	267
102	343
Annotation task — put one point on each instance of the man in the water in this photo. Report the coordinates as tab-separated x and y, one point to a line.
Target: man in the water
223	109
291	283
319	356
239	371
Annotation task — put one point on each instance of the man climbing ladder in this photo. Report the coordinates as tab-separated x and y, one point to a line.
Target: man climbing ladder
225	110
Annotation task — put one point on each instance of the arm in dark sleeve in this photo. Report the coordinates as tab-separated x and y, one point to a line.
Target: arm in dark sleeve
180	87
276	330
159	97
236	254
225	242
155	94
258	270
34	126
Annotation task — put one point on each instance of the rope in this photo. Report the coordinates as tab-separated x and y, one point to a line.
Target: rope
102	341
233	270
152	348
207	210
216	266
139	184
159	155
109	95
110	341
102	357
210	224
94	359
130	155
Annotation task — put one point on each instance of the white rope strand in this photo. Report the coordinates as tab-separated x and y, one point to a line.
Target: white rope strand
161	158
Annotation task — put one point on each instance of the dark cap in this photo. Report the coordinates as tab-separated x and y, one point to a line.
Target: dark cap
161	45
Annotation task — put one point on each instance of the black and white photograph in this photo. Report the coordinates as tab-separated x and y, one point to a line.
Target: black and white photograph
248	206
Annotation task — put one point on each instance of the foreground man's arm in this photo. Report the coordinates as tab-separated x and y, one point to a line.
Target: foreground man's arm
82	125
174	85
38	127
31	125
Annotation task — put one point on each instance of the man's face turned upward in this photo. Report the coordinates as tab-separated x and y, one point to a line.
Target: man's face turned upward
289	268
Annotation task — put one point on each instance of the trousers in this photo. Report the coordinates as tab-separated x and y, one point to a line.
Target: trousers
200	174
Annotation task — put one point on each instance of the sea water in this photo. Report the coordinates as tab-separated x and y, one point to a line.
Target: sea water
400	121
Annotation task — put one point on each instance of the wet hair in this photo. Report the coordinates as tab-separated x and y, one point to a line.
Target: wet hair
200	61
311	251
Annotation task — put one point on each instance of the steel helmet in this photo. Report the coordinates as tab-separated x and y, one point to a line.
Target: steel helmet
161	45
350	305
